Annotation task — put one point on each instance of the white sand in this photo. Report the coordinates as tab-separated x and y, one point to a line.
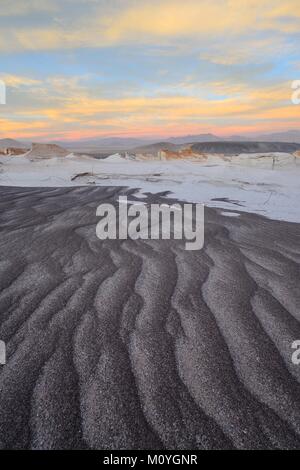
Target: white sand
260	183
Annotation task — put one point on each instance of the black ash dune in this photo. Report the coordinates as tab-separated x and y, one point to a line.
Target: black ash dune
141	344
236	148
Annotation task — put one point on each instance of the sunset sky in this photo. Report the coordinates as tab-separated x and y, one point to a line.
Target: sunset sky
77	69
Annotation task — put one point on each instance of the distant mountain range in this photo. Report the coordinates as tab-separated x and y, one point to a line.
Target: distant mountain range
106	143
115	144
189	139
125	143
292	136
288	136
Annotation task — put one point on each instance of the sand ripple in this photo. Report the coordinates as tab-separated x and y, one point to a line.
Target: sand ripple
141	344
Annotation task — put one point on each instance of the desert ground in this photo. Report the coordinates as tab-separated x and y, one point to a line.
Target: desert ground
142	344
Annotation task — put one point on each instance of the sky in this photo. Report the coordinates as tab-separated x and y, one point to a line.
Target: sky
79	69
